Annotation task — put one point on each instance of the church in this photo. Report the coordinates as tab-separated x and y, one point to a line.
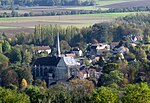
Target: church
56	68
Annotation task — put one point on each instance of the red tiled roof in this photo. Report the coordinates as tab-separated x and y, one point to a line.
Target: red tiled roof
41	48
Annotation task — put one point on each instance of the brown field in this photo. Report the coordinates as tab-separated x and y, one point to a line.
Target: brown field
136	3
26	24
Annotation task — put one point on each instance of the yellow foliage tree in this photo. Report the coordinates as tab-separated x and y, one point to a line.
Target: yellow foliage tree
24	83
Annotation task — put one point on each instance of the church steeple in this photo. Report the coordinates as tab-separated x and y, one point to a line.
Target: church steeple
58	46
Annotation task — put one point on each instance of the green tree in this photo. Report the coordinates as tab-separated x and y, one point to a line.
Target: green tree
24	72
6	47
15	55
64	46
1	50
137	93
113	77
27	57
3	61
59	93
36	96
11	96
104	95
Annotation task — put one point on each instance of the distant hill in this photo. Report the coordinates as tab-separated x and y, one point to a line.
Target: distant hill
134	3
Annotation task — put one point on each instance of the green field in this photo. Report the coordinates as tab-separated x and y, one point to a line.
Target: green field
108	2
5	27
114	15
14	19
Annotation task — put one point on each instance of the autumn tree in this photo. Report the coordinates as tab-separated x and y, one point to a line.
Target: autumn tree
24	83
81	90
9	77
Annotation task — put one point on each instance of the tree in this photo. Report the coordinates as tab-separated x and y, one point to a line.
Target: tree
6	47
3	61
9	77
110	67
27	57
81	90
113	77
24	73
15	55
1	50
137	93
59	93
11	96
64	46
24	83
36	96
104	95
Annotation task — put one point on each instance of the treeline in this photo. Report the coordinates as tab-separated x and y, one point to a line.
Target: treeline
78	93
14	13
46	2
129	9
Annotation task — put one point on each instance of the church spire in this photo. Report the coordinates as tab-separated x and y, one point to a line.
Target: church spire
58	46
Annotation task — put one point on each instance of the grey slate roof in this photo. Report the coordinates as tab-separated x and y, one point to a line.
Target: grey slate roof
47	61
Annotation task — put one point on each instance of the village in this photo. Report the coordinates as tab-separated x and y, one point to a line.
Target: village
77	63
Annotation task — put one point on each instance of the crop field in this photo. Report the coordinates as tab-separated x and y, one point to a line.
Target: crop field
26	24
128	3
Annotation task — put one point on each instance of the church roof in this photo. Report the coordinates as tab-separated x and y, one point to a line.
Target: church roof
70	61
47	61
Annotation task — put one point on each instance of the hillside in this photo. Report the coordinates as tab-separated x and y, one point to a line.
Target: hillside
134	3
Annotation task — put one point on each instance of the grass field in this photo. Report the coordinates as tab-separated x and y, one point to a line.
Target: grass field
108	2
64	20
5	27
14	19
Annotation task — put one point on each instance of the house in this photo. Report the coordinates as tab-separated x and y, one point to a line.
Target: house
114	44
83	74
98	48
77	52
53	69
40	49
134	38
69	54
88	73
120	49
